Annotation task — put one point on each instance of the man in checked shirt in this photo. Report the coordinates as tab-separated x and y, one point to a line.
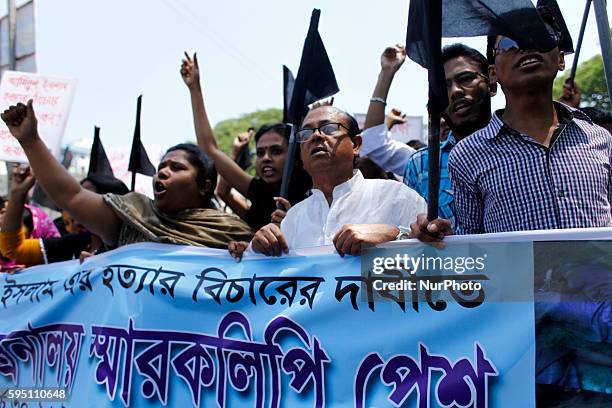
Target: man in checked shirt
539	164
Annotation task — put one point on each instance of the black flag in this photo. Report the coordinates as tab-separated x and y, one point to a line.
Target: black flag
98	162
315	81
429	20
139	160
566	45
424	46
288	83
315	78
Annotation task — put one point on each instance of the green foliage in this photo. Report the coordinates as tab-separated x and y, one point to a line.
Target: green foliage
227	130
592	83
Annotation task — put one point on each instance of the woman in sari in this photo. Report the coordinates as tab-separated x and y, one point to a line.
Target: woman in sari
181	212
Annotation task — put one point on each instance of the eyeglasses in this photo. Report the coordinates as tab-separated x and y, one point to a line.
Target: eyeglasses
328	129
466	79
508	44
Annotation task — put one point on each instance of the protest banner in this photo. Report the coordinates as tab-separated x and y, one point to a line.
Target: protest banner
52	99
152	324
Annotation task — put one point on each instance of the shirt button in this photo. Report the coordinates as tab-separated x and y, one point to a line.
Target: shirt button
560	193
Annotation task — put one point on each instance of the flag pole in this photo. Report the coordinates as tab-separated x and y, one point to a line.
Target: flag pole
288	170
435	109
133	181
433	165
603	27
585	17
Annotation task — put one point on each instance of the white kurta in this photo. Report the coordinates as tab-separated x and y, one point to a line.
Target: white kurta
313	222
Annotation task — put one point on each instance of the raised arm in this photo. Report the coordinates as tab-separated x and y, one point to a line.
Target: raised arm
236	202
87	207
390	62
226	167
22	181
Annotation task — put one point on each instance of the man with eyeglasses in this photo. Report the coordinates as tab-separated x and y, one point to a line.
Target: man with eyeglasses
539	164
469	94
345	209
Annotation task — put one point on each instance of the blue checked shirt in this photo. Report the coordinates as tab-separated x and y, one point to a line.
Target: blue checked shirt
506	181
416	177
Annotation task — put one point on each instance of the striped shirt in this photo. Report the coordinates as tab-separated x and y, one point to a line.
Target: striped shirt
506	181
416	176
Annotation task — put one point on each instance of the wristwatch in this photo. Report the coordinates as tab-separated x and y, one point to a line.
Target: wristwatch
404	233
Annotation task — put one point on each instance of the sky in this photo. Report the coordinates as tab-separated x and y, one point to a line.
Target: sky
118	49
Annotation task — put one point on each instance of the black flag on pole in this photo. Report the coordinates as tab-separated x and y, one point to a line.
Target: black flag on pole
315	81
517	19
315	78
98	161
139	160
429	20
288	83
424	46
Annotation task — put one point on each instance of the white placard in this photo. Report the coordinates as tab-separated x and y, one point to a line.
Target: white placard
411	130
52	102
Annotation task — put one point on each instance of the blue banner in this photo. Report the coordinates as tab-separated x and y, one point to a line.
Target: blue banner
149	325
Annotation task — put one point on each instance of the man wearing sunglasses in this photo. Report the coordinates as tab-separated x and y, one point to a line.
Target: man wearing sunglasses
469	94
344	209
539	164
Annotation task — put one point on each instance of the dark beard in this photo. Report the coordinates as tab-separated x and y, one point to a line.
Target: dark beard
465	129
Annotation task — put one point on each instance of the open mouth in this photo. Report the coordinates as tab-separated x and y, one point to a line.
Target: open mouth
529	60
268	171
159	189
320	149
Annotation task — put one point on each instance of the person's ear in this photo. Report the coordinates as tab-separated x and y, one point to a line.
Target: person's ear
492	88
357	144
205	188
561	61
493	75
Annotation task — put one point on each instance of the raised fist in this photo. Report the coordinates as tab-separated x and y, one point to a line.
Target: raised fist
21	122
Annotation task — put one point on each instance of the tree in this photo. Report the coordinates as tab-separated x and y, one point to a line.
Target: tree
592	83
226	130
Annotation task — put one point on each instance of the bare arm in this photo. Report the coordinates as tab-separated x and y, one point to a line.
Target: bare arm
238	204
226	167
22	181
390	61
87	207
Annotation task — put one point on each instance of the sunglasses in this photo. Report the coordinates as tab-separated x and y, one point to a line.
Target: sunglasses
507	44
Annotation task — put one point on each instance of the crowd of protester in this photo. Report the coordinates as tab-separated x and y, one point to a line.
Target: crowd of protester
537	164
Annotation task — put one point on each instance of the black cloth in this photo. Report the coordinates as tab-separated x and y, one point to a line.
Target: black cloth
66	247
429	20
139	160
261	195
315	78
60	225
288	82
98	161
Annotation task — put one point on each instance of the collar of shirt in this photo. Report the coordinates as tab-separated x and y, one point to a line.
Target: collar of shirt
565	115
344	188
449	142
